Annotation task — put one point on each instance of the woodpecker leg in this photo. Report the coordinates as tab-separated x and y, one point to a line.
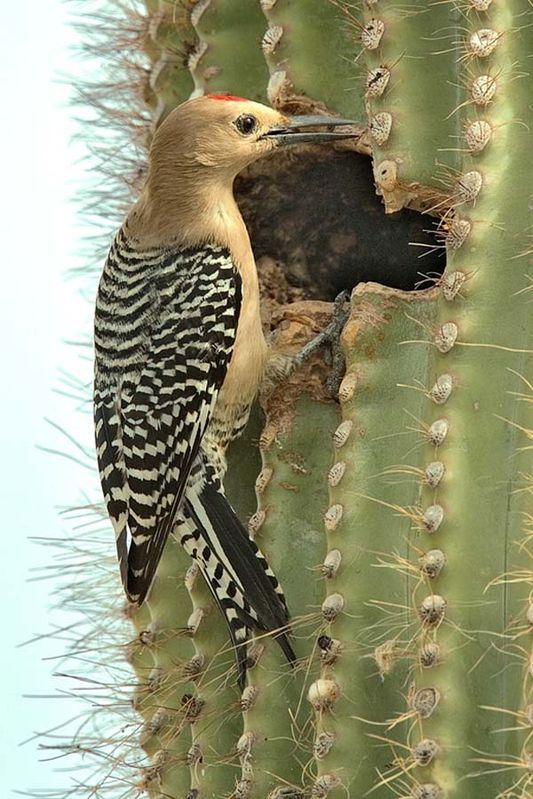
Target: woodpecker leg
282	366
330	340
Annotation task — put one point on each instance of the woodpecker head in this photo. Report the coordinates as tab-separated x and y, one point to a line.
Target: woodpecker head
226	133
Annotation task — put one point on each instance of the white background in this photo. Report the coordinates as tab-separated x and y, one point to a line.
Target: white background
40	311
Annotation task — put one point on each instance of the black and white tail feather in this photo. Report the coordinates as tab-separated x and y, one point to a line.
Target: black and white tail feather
228	561
165	327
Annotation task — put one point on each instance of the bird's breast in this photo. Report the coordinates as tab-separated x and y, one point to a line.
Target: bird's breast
247	364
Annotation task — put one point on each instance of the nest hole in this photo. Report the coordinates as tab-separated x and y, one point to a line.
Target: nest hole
317	227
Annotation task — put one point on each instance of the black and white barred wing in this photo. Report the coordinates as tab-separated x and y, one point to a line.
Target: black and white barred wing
150	422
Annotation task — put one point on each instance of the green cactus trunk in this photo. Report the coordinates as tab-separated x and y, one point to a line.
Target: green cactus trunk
398	519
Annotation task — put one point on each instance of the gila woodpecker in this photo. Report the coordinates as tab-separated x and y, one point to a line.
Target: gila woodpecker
180	355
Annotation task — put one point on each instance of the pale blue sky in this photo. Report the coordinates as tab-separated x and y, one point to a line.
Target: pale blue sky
40	310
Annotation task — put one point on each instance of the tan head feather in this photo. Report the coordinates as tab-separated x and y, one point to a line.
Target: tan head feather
196	153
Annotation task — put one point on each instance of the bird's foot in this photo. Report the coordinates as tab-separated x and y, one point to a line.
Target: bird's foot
329	339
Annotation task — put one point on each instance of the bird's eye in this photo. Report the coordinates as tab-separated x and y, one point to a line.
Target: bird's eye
246	124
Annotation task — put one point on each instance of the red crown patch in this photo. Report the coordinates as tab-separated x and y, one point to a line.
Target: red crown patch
227	97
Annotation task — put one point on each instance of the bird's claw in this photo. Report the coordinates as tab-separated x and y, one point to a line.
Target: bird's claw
329	338
332	341
340	316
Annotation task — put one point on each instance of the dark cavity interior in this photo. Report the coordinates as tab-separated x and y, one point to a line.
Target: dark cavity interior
316	214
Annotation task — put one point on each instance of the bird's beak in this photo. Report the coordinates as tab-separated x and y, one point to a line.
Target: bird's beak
294	132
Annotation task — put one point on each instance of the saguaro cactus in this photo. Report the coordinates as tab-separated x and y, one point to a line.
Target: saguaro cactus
399	518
